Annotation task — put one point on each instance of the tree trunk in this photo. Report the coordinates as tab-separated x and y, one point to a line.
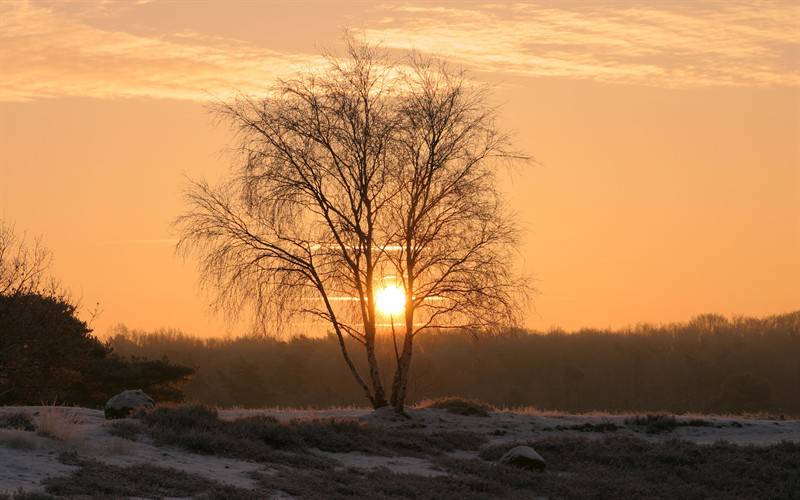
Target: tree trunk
400	382
346	355
378	394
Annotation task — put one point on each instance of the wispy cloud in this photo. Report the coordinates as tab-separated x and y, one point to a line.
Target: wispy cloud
150	241
47	50
671	44
44	54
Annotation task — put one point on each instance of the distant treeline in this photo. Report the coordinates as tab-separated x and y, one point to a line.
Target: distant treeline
711	364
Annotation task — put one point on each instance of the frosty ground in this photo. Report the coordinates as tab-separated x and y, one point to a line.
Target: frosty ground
430	453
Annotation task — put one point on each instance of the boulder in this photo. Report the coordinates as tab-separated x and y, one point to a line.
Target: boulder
124	403
524	457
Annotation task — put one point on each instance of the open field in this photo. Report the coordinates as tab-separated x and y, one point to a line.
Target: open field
434	453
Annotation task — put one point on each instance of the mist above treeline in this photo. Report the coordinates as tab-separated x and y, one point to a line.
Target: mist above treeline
710	364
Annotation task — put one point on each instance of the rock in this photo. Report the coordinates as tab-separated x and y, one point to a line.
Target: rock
524	457
124	403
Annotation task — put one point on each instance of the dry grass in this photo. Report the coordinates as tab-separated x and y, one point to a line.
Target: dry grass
17	439
538	412
59	423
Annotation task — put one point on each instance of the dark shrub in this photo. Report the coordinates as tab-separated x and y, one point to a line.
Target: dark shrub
18	420
182	417
48	354
126	429
459	406
654	424
588	427
660	423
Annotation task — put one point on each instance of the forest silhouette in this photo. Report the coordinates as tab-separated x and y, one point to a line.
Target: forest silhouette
710	364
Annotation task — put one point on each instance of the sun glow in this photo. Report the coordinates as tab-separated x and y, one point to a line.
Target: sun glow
390	300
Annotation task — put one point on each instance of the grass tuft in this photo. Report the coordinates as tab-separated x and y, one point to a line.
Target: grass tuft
57	423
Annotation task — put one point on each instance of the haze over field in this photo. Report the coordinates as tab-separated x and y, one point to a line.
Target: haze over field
667	140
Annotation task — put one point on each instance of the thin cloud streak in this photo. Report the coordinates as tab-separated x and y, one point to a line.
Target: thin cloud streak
48	53
157	241
724	44
44	54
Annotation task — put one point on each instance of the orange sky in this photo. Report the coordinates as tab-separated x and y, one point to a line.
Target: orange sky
668	140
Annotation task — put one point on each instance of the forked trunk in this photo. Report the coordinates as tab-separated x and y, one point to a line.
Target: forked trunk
400	383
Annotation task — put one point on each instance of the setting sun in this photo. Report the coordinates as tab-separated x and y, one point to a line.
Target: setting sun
390	300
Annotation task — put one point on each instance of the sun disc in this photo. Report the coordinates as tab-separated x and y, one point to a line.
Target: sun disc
390	300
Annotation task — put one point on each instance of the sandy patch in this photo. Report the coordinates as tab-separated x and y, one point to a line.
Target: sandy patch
90	437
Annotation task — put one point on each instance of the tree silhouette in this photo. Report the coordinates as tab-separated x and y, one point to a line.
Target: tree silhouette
369	171
47	353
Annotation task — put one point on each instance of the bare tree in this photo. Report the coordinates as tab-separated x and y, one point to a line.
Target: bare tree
299	220
454	239
23	264
343	178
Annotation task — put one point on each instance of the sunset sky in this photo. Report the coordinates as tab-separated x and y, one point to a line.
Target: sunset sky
666	134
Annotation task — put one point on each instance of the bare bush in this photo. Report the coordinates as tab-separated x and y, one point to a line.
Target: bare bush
24	264
458	406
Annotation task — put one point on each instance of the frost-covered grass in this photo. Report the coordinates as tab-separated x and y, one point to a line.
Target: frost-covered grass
16	439
203	452
99	480
614	467
623	466
264	438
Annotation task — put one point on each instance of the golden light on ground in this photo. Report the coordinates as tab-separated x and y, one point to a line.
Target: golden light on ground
390	300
